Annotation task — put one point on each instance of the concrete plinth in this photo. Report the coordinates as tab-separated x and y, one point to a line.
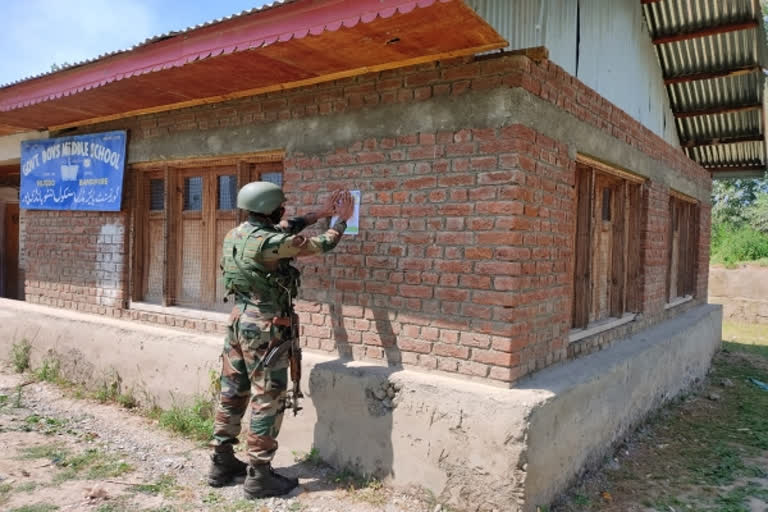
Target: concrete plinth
477	447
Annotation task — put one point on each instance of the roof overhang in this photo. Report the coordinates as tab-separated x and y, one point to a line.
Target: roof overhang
291	45
713	61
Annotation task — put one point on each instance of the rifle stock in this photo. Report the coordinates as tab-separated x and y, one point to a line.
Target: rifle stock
295	364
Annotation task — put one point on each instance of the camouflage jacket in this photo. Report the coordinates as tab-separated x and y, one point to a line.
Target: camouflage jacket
256	258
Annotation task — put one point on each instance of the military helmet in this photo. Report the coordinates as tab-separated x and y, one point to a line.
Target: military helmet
260	197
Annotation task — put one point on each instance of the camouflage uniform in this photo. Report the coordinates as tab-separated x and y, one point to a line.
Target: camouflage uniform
255	265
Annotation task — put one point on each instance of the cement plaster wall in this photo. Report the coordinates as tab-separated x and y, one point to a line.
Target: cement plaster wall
485	109
457	438
742	291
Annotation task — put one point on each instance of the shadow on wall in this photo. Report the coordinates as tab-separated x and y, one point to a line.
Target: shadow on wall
355	402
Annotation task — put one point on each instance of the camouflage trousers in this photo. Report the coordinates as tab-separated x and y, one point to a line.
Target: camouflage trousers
244	380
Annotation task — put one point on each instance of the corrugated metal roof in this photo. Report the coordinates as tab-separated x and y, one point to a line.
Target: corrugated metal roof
708	54
153	39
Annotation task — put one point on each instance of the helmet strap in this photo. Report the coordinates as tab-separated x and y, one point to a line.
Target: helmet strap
277	215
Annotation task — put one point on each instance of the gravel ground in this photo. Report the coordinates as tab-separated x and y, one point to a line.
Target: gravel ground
43	431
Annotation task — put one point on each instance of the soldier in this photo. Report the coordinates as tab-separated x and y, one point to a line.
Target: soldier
257	274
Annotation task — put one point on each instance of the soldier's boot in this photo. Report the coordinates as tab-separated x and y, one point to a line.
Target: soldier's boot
225	467
263	482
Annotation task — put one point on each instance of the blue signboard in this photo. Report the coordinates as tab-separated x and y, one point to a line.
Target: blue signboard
83	172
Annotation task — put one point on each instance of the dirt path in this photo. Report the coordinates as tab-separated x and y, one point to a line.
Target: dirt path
706	452
61	453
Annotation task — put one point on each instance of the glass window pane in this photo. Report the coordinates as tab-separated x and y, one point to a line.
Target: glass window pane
273	177
227	192
193	194
156	195
607	204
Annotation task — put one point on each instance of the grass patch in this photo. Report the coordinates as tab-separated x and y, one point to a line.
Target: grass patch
194	421
361	487
127	400
746	337
50	370
5	491
20	355
165	485
26	487
39	507
698	454
110	507
312	457
240	505
92	464
17	397
53	452
120	503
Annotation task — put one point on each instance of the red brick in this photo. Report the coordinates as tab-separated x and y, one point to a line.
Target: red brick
423	292
458	352
480	224
472	368
447	364
505	374
413	345
423	78
452	294
348	285
492	178
456	180
478	253
495	298
484	163
419	183
500	208
455	238
476	340
472	281
496	358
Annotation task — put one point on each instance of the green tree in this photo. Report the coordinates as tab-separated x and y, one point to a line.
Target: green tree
732	198
757	213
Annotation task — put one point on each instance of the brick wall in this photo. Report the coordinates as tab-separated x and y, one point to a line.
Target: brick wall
655	248
75	260
464	260
463	264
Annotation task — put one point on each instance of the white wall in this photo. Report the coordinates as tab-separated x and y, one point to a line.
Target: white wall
10	145
614	55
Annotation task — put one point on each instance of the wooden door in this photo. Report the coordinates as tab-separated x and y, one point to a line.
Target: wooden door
11	251
150	237
606	218
207	214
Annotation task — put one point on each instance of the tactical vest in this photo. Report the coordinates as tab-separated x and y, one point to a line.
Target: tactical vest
271	286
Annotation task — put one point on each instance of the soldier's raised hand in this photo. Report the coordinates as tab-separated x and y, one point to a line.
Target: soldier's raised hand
329	206
345	205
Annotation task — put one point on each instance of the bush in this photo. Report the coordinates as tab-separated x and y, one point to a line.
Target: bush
194	420
50	370
20	356
732	245
757	213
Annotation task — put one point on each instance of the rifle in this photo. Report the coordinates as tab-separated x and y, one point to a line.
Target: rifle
294	354
295	362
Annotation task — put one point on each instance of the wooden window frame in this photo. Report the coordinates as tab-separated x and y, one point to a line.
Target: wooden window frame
626	262
173	173
684	212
